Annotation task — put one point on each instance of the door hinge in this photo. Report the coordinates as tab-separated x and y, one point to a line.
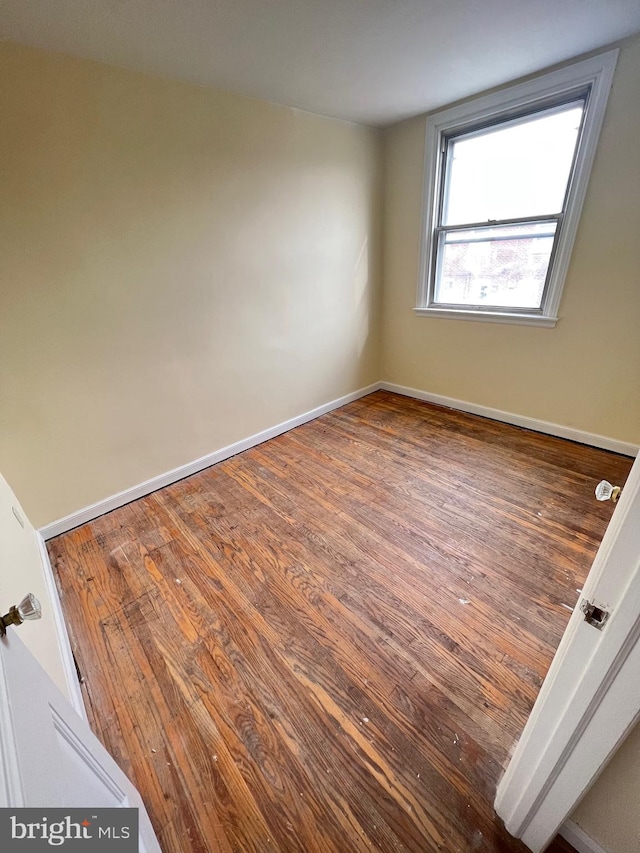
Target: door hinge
593	614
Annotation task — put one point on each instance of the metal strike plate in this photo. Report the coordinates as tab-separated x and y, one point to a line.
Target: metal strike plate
594	615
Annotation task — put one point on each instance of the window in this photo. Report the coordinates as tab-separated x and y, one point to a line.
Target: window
506	175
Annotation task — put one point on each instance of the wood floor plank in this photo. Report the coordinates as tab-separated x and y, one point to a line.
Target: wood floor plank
407	630
332	641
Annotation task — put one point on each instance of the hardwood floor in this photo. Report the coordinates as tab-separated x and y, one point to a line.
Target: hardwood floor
331	642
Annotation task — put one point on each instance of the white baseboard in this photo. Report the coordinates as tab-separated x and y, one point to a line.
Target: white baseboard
547	427
82	516
68	663
579	839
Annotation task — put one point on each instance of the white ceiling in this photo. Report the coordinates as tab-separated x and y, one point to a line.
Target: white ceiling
371	61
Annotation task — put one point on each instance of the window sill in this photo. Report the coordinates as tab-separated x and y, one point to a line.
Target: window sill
489	316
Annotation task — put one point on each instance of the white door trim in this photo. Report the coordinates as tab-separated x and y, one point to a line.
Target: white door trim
589	700
578	838
64	644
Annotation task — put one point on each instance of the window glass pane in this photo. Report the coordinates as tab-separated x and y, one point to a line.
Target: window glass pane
514	171
501	267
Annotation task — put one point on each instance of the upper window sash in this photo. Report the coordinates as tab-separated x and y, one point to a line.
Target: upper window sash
580	99
588	80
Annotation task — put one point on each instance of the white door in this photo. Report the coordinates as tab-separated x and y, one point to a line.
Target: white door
590	698
49	757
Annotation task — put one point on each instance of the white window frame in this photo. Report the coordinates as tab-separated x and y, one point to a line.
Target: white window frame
596	74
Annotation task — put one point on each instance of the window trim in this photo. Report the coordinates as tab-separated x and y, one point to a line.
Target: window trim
596	74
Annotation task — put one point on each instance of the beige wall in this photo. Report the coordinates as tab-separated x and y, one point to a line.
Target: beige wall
180	268
21	571
610	813
585	373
